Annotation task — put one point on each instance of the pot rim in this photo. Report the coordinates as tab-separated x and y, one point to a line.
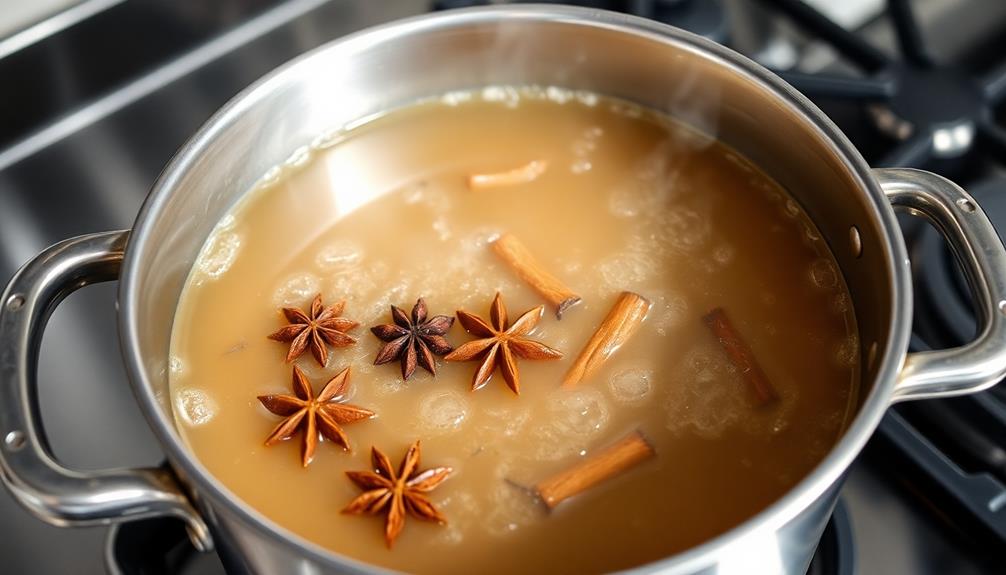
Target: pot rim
802	495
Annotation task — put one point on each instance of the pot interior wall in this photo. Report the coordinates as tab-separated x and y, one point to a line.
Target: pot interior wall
395	66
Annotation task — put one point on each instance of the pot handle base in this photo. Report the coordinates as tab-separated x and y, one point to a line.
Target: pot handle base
981	363
51	492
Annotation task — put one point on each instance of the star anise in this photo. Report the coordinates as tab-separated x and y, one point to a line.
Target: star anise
501	344
413	340
323	326
397	494
313	414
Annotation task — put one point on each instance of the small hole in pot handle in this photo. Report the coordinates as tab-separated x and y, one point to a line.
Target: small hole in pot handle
966	205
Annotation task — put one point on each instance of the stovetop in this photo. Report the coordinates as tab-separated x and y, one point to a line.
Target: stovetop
927	495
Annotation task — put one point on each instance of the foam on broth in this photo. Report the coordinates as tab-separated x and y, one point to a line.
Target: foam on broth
629	200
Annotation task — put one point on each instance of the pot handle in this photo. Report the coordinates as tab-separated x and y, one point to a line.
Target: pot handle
981	363
48	490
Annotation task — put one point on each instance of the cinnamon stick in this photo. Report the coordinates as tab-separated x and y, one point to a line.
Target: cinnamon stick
740	355
516	255
622	321
520	175
605	464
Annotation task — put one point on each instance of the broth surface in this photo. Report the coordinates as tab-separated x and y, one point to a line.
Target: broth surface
629	201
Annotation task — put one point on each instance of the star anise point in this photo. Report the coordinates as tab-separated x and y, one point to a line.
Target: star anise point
500	343
322	328
313	415
413	339
396	493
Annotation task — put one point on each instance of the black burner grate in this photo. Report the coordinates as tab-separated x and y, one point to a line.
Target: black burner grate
930	110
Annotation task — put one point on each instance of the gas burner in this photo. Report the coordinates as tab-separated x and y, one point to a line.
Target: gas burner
952	105
156	546
932	111
836	553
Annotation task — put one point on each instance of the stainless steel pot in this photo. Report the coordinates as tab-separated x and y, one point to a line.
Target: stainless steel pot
701	82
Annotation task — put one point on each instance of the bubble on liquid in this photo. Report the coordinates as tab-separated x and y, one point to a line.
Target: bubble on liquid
572	266
571	419
360	357
195	406
653	180
625	110
581	166
840	304
723	254
442	228
625	201
823	274
670	310
586	98
270	177
340	255
581	413
631	386
627	268
441	412
707	396
503	94
392	290
297	289
684	228
512	509
847	351
226	223
450	534
299	157
463	508
810	235
703	396
505	420
460	505
558	95
738	162
219	255
424	193
328	138
791	209
175	365
361	285
476	241
457	97
583	146
388	384
551	444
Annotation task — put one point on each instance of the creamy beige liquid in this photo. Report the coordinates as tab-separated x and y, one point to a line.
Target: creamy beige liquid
628	201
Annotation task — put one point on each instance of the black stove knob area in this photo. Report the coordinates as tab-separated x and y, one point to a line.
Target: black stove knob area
704	17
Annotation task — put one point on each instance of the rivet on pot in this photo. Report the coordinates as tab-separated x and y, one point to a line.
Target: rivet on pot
855	241
14	441
15	302
966	205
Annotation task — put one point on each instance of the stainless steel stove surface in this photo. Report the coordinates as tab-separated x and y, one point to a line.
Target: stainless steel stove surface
89	136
